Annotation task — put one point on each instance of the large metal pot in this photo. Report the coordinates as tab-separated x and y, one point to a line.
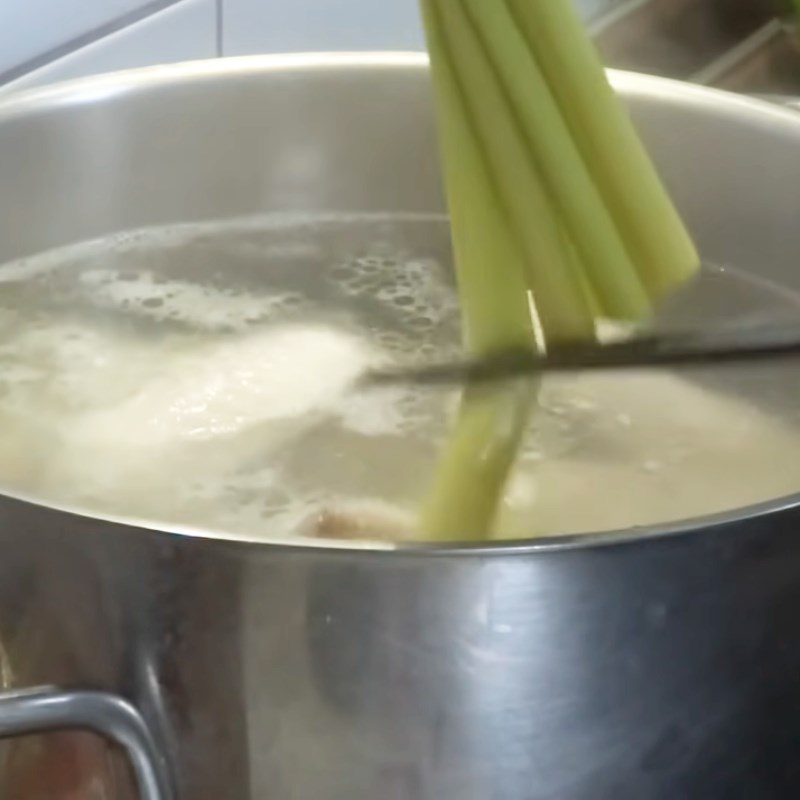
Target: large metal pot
660	664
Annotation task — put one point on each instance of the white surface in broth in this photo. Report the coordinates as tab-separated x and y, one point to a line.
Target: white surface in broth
639	449
201	375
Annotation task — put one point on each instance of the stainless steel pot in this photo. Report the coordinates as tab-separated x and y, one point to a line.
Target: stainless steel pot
658	664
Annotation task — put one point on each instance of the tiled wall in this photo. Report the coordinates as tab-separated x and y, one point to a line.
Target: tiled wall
144	33
253	26
42	41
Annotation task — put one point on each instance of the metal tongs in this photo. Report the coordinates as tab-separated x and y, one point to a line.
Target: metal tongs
655	350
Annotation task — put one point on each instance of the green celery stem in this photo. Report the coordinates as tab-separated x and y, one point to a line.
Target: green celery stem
479	454
656	237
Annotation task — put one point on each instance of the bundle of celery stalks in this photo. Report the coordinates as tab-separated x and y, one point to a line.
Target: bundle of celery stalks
559	219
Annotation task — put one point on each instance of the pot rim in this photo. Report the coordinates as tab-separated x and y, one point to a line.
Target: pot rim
95	89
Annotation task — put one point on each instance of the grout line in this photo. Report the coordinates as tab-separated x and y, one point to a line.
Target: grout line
721	66
90	37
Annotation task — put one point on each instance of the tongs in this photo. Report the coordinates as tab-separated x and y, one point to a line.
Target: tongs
705	347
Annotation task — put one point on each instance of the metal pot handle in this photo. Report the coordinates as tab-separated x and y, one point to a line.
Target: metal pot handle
47	709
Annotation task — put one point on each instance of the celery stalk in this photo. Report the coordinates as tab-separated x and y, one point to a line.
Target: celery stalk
646	218
491	276
477	460
557	289
610	270
550	190
490	267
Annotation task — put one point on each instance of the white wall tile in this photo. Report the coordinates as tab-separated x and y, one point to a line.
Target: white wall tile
29	28
182	32
265	26
275	26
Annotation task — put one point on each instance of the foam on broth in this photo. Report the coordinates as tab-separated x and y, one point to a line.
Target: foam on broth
202	375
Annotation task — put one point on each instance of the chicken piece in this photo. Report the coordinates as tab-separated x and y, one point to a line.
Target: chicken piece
362	522
208	413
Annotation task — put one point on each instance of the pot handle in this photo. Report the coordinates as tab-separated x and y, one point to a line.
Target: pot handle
48	709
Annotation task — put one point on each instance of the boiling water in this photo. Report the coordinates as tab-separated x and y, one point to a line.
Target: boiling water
201	375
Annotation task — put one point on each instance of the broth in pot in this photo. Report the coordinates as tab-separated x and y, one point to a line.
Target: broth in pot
203	376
